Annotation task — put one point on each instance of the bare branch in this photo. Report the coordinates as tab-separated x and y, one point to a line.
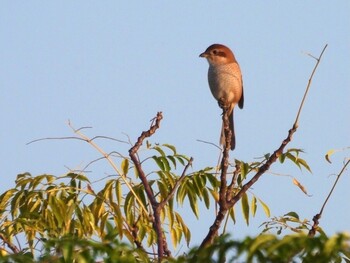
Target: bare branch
210	144
161	242
56	138
14	248
309	84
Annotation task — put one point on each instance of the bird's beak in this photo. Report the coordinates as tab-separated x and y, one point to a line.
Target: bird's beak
203	55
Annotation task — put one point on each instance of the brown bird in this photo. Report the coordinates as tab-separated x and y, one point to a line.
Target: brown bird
225	82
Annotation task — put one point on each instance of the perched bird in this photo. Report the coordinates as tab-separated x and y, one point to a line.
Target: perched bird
225	82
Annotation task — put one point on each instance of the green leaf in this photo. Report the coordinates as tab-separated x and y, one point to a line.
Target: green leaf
172	159
304	163
159	162
158	149
282	158
245	208
182	191
171	147
17	201
259	241
245	168
174	237
139	190
185	229
198	185
193	204
214	182
107	190
162	189
205	195
215	195
128	203
37	180
292	214
181	158
170	216
76	176
5	198
166	163
118	218
118	191
232	214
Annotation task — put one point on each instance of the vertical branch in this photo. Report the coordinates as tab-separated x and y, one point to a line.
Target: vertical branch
149	192
225	156
223	208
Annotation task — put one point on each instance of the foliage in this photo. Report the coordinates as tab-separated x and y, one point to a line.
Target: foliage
263	248
271	249
47	207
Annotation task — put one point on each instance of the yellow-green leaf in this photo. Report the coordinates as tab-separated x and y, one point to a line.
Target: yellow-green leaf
118	191
253	206
125	166
328	155
174	236
304	163
265	208
193	204
118	218
232	214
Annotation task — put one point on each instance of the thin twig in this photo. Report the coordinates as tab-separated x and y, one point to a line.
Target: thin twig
309	83
110	161
213	144
77	138
316	218
56	138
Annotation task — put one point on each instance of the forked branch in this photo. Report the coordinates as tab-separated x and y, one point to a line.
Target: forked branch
163	250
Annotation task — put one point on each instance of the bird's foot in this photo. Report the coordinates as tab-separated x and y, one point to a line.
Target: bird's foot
223	104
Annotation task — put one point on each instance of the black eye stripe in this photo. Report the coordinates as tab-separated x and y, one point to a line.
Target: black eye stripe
219	53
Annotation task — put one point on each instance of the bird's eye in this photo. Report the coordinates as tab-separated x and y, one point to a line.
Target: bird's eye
215	52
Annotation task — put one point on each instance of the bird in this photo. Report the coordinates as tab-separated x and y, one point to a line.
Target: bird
225	82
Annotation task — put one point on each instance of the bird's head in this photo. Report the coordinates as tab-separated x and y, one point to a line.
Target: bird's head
218	54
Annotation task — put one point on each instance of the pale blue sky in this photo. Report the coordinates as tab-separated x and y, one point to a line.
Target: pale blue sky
113	65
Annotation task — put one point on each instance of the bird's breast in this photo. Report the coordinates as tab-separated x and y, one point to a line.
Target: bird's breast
225	82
